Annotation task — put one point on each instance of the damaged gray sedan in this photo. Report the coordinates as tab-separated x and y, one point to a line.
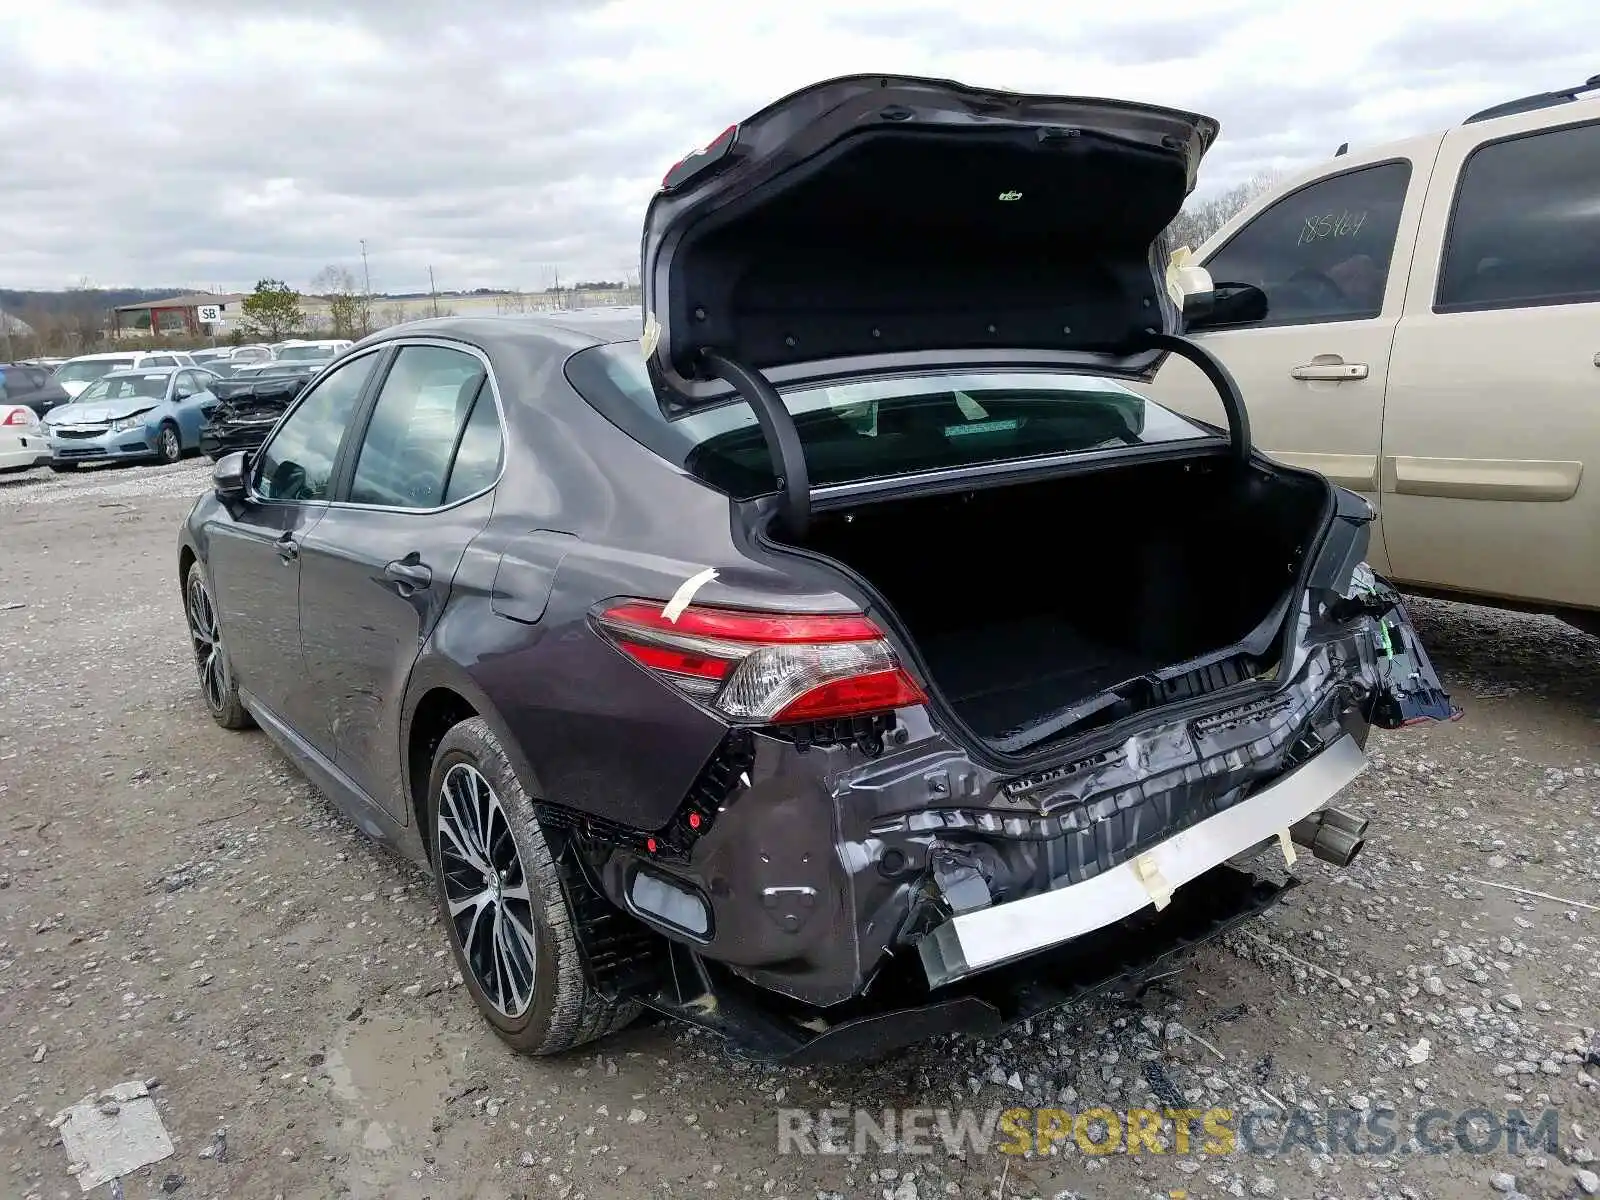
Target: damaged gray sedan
839	652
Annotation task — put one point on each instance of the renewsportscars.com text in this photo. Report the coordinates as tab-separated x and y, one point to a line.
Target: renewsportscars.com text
1214	1132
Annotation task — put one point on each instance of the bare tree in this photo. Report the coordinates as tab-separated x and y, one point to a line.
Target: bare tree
394	314
1202	217
349	307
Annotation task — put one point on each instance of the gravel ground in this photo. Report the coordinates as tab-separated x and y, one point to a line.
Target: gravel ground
177	905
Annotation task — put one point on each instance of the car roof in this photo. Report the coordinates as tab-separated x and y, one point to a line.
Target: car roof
571	329
126	372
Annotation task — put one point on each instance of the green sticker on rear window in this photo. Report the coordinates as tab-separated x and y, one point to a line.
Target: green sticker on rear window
981	427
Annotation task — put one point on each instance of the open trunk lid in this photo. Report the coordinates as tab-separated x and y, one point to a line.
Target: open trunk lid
870	221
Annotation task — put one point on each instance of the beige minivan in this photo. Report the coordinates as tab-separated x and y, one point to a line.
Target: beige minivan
1421	323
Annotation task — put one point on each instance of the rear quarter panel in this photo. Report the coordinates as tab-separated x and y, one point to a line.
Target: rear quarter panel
596	733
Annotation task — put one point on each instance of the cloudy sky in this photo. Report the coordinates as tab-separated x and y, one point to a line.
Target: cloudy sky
213	142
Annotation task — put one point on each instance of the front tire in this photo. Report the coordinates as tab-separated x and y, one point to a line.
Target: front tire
502	903
217	683
169	446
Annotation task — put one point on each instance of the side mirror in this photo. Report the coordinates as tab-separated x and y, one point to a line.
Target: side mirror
1225	304
229	476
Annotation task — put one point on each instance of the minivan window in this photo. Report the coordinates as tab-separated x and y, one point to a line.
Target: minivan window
1526	227
880	428
1322	252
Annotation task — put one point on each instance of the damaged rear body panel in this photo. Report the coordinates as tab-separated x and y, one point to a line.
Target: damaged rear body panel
867	883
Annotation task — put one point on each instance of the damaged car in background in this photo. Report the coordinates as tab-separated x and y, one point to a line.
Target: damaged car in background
837	653
249	405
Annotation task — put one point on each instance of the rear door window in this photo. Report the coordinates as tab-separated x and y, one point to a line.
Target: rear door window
881	428
479	451
405	455
1526	226
1322	252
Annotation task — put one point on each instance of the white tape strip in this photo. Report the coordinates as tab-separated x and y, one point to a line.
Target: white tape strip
1148	871
1288	848
685	593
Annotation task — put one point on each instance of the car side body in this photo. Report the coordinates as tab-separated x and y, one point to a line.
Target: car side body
1407	291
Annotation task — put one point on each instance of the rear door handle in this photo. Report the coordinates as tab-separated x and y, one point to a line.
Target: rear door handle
409	574
1331	372
288	549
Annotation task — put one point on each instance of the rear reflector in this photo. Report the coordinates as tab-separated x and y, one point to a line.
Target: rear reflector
762	667
670	902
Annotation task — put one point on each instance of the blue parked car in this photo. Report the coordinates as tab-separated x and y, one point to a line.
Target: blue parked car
131	415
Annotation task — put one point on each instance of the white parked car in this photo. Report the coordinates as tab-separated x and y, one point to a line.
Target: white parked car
319	350
78	373
23	442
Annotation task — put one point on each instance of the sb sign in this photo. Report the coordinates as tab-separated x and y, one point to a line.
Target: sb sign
208	314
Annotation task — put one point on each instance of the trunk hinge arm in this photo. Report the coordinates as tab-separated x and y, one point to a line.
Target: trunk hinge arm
1220	378
778	428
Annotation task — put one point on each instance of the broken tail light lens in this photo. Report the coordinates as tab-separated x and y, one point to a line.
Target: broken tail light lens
765	668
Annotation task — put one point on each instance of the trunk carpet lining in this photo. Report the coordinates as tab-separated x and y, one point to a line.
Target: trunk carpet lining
1003	676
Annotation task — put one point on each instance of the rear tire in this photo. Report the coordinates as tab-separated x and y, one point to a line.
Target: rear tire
512	935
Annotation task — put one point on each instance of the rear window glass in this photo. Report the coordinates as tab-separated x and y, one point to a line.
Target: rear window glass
880	428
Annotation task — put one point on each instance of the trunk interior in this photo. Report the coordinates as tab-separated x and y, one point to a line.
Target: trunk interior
1030	599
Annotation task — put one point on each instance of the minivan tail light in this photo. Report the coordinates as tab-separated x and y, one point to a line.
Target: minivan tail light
19	416
762	667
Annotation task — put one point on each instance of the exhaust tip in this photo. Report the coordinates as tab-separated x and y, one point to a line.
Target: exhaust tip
1332	835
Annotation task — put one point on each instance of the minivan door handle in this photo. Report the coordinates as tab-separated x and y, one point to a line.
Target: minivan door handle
408	574
1330	372
288	549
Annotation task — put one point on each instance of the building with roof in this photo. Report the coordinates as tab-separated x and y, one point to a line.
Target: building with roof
175	314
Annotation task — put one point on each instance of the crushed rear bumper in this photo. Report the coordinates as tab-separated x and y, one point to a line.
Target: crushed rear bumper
866	891
976	941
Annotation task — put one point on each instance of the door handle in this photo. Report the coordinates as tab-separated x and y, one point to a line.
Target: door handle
288	549
1331	372
409	574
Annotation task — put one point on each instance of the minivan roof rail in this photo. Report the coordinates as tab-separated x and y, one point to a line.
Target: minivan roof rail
1535	102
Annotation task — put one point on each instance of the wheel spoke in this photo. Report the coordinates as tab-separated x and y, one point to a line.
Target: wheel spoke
476	900
523	932
459	849
458	829
486	892
464	794
514	962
